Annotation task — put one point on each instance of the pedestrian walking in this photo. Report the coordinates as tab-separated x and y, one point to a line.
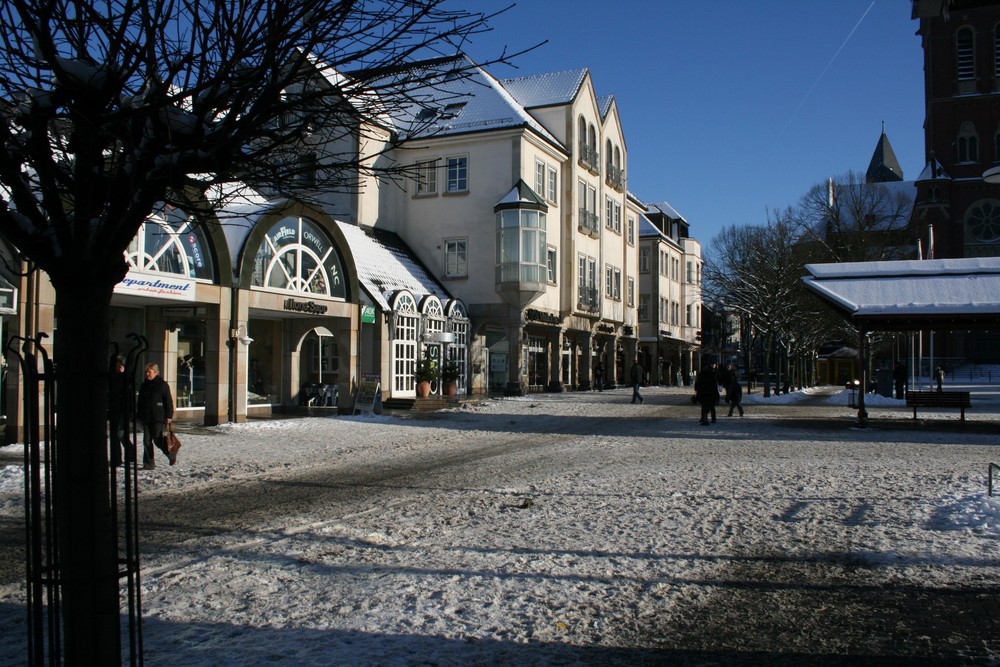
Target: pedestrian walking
735	395
706	391
636	375
599	376
939	374
120	448
725	376
155	408
899	379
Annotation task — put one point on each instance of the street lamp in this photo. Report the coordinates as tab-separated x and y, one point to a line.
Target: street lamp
245	338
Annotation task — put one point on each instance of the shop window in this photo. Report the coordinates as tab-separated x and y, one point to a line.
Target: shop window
406	324
171	242
297	256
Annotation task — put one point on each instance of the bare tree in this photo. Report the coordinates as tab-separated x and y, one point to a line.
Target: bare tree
109	107
849	220
755	271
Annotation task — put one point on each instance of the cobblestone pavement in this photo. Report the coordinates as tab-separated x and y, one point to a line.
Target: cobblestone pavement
764	607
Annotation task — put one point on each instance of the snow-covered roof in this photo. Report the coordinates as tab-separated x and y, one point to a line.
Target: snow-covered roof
664	208
911	294
470	100
541	90
933	171
385	266
604	104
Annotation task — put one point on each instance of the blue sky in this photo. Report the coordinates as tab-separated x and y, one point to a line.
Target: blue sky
732	108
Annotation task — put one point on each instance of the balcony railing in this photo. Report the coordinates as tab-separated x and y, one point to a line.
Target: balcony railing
588	299
590	158
615	177
590	223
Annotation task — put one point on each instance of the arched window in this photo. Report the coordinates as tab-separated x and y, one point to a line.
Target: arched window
618	158
458	351
582	131
297	256
592	139
405	328
965	55
968	143
171	242
608	153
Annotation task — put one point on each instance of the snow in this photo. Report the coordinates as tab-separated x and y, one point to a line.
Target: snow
537	530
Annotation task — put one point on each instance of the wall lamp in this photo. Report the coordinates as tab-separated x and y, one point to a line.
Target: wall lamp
235	334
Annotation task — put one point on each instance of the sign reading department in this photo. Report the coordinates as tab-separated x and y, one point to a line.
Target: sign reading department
174	288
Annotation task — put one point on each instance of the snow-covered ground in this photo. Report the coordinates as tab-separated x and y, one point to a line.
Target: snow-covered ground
572	528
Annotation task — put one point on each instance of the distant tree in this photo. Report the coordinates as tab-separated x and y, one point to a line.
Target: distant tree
108	108
755	270
849	220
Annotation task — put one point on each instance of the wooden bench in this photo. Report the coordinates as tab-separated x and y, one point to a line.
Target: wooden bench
938	399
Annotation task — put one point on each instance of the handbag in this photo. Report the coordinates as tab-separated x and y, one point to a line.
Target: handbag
173	443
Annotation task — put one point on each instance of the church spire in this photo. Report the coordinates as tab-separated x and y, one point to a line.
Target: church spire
884	167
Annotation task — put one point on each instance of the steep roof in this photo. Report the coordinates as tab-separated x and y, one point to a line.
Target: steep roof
884	167
543	90
459	97
386	265
604	105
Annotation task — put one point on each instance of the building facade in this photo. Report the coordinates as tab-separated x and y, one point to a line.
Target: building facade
511	247
670	307
956	212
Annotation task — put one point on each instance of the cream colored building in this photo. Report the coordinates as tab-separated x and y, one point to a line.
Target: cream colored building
670	323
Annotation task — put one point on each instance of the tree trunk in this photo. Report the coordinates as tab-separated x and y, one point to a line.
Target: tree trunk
86	541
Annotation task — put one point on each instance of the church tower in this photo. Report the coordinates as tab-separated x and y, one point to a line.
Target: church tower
961	45
884	167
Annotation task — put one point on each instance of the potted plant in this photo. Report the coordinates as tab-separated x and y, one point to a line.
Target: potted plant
426	372
449	377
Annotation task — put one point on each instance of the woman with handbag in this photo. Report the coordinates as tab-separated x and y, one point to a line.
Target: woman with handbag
155	408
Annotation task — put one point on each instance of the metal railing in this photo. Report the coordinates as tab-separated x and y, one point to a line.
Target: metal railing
42	567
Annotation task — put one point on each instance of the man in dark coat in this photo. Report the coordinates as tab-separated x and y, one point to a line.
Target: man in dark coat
706	390
120	448
155	408
637	373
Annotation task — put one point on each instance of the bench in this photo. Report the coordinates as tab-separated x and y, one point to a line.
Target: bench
938	399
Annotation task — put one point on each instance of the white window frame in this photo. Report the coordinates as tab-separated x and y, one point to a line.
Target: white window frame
456	257
456	174
552	264
540	178
552	182
426	178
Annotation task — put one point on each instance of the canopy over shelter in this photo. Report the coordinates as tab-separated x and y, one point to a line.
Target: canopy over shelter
912	294
909	295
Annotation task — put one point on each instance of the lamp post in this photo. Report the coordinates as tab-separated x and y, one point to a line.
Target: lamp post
236	339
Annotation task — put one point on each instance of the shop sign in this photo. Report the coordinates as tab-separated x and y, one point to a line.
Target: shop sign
310	307
535	315
368	314
162	286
